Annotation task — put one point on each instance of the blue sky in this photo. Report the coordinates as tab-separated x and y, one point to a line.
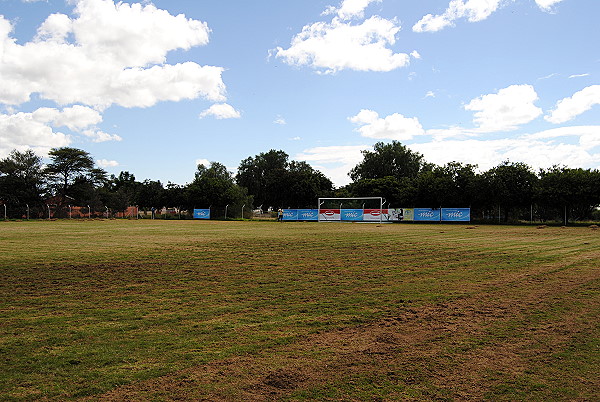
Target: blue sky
154	88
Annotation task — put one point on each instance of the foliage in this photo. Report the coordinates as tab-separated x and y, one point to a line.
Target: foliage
576	190
68	164
22	181
213	186
393	159
392	171
274	181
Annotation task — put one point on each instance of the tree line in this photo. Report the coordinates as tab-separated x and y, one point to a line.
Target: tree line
511	191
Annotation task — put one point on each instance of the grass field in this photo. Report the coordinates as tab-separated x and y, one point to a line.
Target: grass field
166	310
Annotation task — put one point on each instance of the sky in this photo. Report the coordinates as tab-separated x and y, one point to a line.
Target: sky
156	87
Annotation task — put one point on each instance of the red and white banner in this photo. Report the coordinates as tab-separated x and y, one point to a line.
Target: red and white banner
375	215
329	215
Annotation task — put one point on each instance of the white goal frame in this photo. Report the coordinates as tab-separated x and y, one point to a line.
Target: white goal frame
322	200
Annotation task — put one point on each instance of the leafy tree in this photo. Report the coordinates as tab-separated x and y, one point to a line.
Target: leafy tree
393	159
123	190
151	195
214	186
304	185
451	185
397	192
67	165
263	176
510	186
174	195
21	181
275	182
576	190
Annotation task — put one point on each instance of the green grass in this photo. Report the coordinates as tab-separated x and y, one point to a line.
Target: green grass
88	306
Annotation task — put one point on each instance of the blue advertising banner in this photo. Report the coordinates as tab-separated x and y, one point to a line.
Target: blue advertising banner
201	213
426	214
308	214
456	214
290	214
352	214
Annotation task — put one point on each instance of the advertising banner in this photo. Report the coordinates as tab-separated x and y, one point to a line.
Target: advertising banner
308	214
456	214
355	215
408	214
392	215
426	214
374	215
329	215
201	213
290	214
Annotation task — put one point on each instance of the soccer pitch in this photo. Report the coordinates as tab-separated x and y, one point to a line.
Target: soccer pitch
264	310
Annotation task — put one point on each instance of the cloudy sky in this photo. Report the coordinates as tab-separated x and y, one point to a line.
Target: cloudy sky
154	88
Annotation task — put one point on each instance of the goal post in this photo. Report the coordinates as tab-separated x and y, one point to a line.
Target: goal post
373	201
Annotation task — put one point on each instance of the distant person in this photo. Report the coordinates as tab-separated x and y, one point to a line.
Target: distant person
280	215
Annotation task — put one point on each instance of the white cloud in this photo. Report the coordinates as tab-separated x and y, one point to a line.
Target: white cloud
104	163
30	130
546	5
349	9
439	134
430	94
100	136
334	161
488	154
473	10
589	136
280	120
221	111
204	162
415	54
509	108
568	108
339	45
548	76
578	75
107	54
77	117
392	127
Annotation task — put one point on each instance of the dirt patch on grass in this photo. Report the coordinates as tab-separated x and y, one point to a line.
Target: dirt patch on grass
468	348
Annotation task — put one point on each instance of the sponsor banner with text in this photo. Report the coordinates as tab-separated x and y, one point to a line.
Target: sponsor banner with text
201	213
375	215
426	214
290	214
308	214
354	215
456	214
329	215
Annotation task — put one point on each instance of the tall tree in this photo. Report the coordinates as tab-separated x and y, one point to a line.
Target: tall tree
273	181
214	186
21	181
451	185
263	176
68	164
511	186
574	191
393	159
151	195
304	185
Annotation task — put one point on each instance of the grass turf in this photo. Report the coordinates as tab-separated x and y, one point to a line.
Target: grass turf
91	306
